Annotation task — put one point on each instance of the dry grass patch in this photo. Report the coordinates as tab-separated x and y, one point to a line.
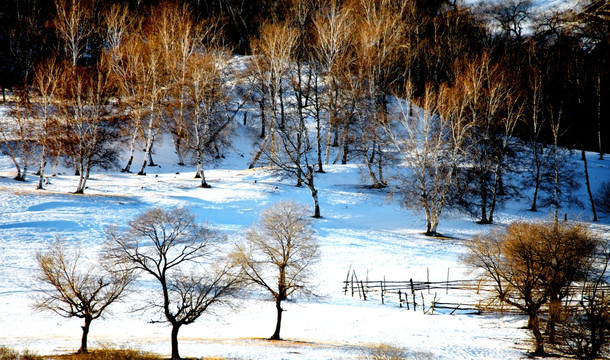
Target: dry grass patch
10	354
391	352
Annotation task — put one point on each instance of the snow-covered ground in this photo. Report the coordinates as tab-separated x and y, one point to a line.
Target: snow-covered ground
361	229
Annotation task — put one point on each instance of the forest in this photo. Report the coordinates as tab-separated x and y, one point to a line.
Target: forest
482	84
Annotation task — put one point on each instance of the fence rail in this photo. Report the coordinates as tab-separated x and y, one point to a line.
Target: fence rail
467	296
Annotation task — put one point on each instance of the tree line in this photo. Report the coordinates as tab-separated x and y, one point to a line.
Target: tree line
454	93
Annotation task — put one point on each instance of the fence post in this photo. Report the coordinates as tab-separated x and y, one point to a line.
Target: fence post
399	298
447	289
413	293
347	280
423	303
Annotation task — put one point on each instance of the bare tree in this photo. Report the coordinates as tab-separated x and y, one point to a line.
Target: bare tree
180	39
74	26
279	253
15	135
154	78
270	67
535	122
562	178
493	111
77	287
212	108
88	133
334	27
125	57
46	80
287	145
184	258
379	38
431	144
509	16
585	330
532	265
508	259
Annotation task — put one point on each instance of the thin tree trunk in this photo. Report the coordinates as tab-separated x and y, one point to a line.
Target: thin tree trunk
41	171
149	142
342	139
200	173
261	105
150	158
380	166
316	202
328	137
20	175
55	165
599	116
178	148
132	149
282	110
556	184
496	191
258	153
76	168
318	129
314	193
589	184
369	167
85	171
536	178
484	219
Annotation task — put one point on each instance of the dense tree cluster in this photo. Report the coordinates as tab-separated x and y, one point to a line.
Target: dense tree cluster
321	85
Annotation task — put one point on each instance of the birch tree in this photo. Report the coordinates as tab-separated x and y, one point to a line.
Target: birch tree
212	108
16	135
46	80
334	28
431	143
379	37
88	134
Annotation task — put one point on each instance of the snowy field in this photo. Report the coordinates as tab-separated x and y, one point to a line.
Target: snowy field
361	229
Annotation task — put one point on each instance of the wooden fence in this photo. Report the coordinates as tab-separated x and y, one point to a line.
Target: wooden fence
450	296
